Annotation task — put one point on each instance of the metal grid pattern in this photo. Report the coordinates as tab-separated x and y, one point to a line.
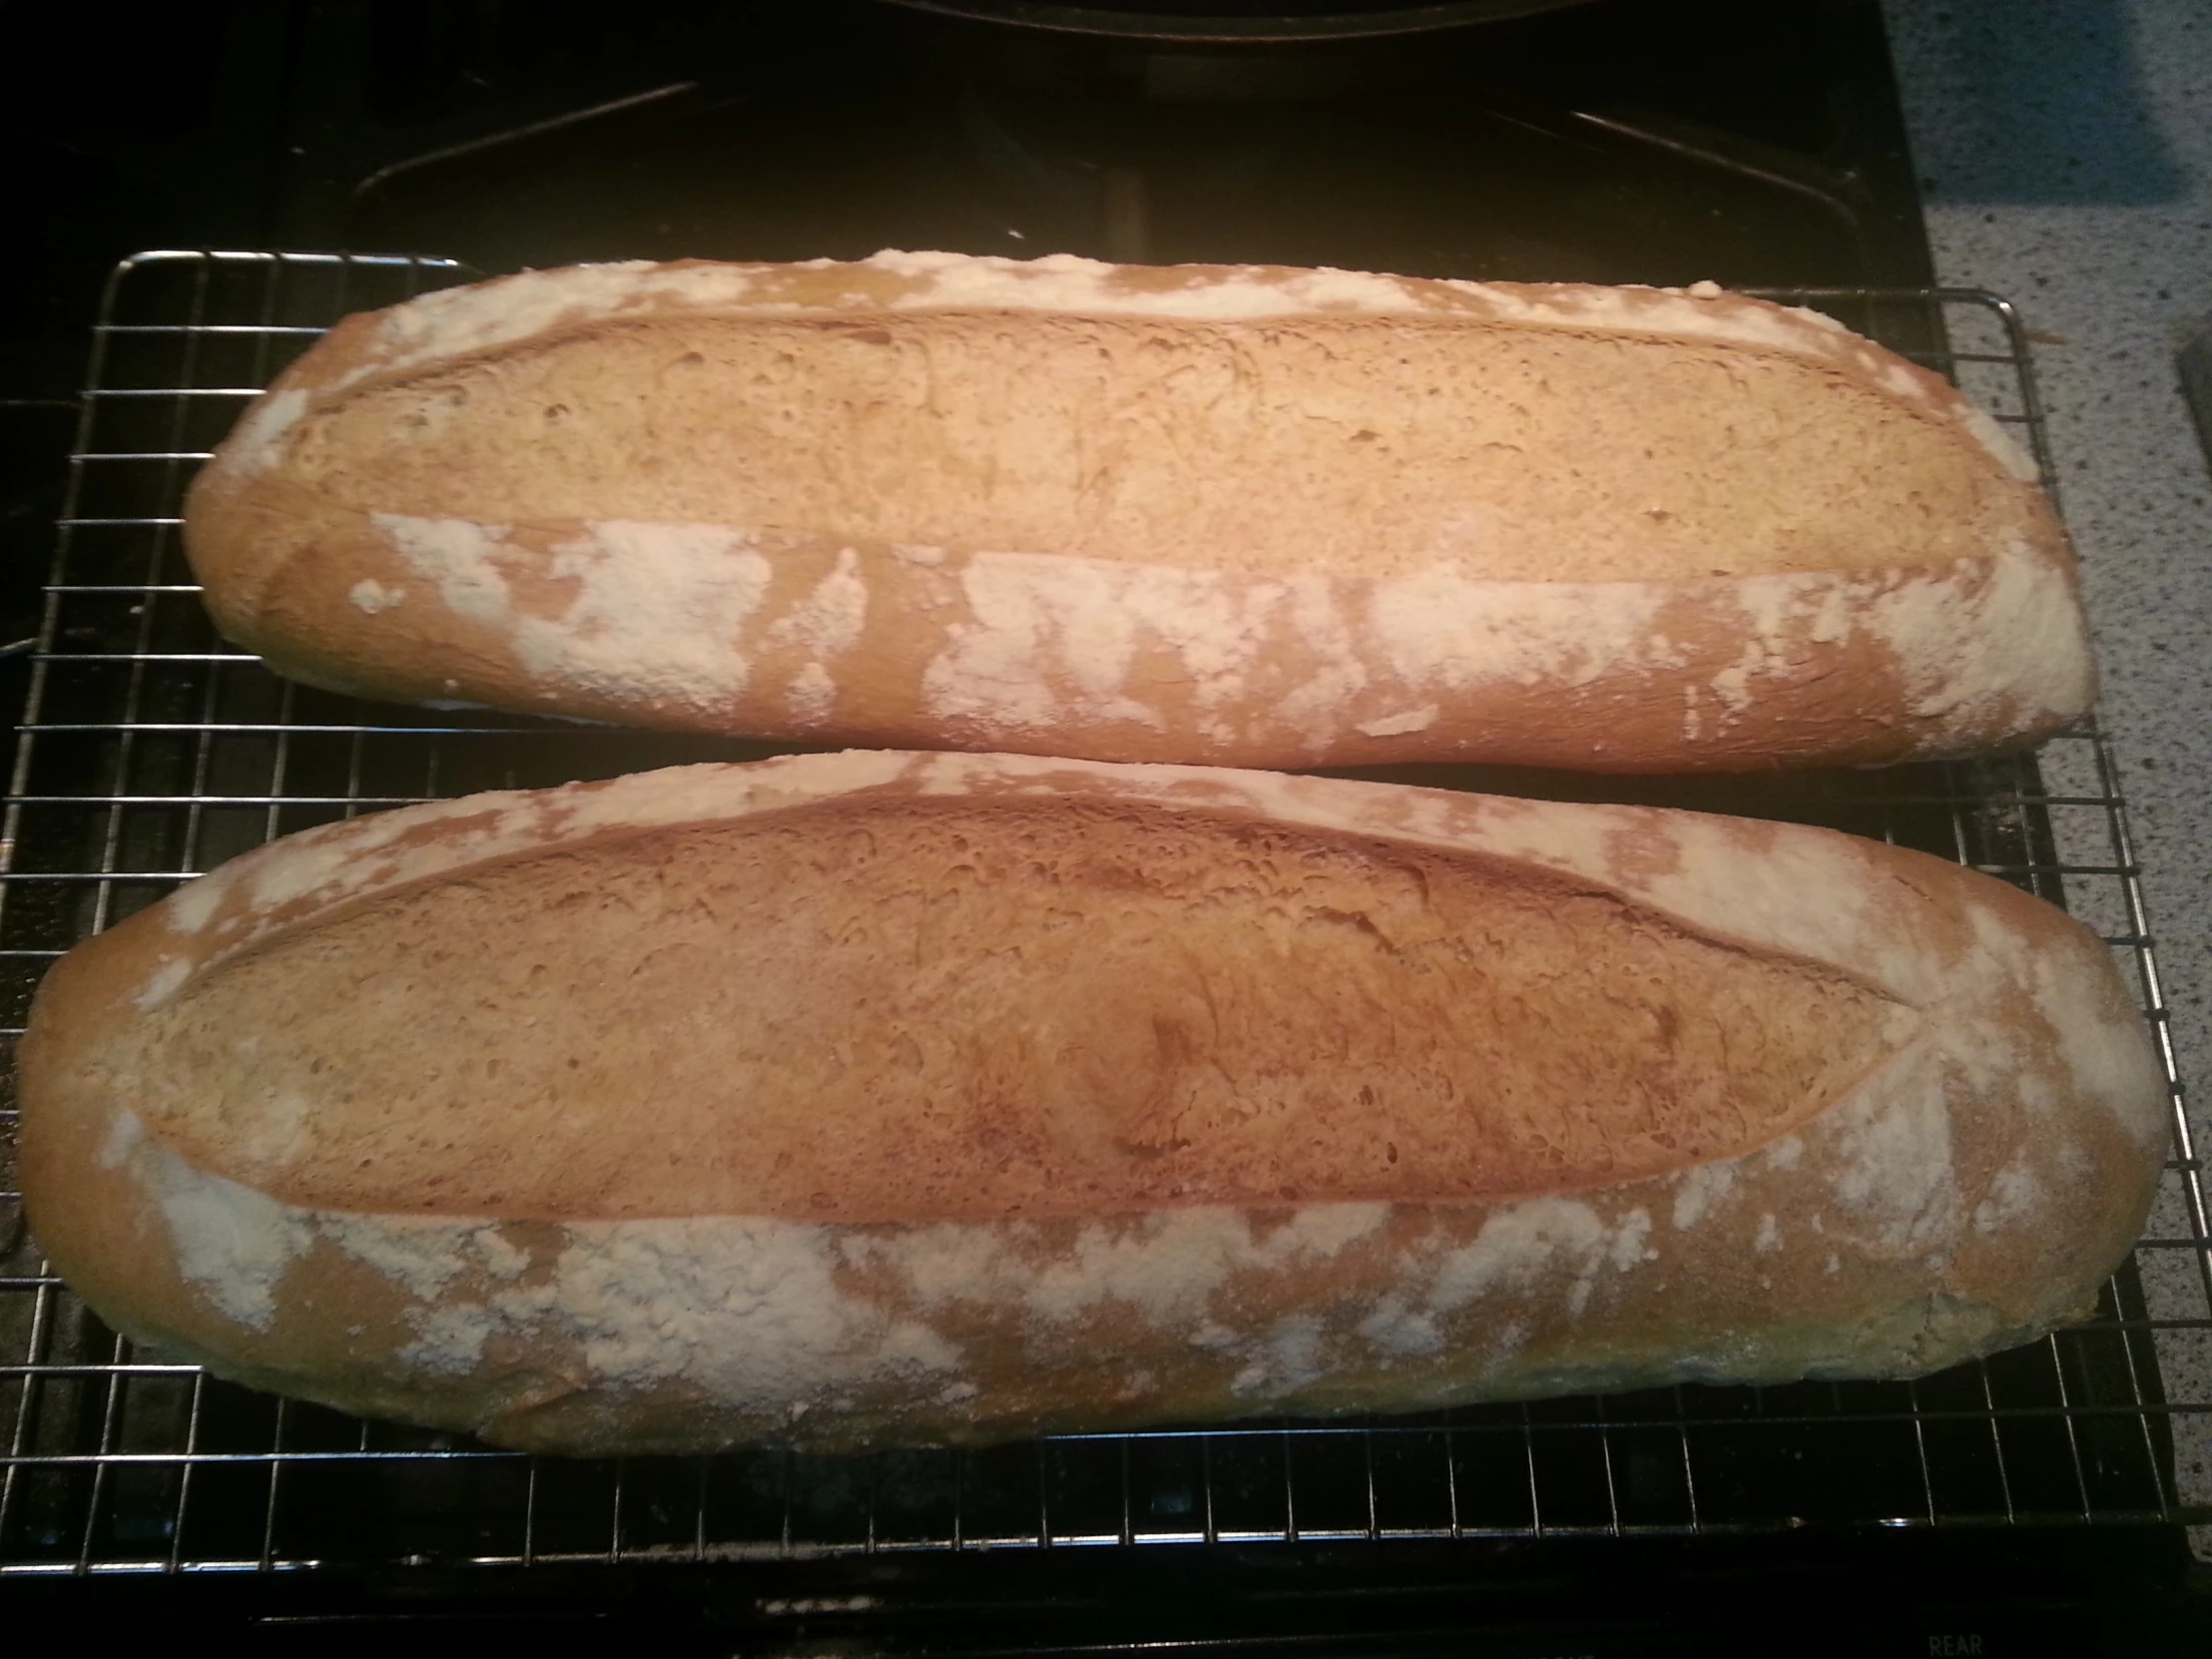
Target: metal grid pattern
152	750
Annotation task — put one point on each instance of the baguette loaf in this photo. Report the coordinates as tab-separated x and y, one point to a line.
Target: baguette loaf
852	1099
1248	516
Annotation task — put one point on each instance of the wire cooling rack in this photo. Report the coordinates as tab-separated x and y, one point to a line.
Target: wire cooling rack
151	751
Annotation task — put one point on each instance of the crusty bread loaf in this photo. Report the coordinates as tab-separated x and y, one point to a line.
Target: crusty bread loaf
873	1097
1248	516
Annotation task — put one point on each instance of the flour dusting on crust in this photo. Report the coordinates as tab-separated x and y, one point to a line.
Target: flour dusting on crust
259	440
1052	642
781	1329
651	614
780	1326
665	623
485	317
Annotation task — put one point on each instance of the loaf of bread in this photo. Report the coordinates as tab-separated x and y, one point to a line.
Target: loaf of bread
865	1098
1238	515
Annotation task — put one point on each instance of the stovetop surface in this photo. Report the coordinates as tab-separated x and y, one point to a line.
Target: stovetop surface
1589	145
1617	141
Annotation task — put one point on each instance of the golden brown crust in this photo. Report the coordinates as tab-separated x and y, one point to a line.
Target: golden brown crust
1972	1188
355	558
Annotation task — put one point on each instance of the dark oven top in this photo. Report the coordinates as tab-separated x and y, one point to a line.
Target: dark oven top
1615	141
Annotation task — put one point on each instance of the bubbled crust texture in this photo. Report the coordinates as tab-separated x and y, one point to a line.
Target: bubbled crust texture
1968	1186
1240	515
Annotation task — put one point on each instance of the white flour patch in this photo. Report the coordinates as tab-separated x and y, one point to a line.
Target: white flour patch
125	1132
1288	1359
193	905
812	695
232	1244
1391	726
1395	1326
1069	282
257	441
273	1127
1628	1240
653	616
2105	1047
461	556
1698	1190
1972	643
2013	1193
1051	638
1448	630
484	316
1521	1245
830	619
1992	436
164	983
1322	636
751	1312
420	1254
656	612
372	598
1895	1166
1170	1266
1167	1266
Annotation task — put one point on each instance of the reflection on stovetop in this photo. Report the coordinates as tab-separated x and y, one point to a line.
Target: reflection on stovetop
1754	144
1620	140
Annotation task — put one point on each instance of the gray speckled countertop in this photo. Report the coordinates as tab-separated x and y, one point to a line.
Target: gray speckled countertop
2066	152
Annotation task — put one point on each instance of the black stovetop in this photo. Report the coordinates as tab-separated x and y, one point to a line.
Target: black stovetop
1620	141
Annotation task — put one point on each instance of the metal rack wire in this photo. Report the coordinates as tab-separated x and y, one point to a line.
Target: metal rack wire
151	751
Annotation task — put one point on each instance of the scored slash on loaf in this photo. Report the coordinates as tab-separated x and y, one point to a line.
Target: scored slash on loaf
1242	515
867	1098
